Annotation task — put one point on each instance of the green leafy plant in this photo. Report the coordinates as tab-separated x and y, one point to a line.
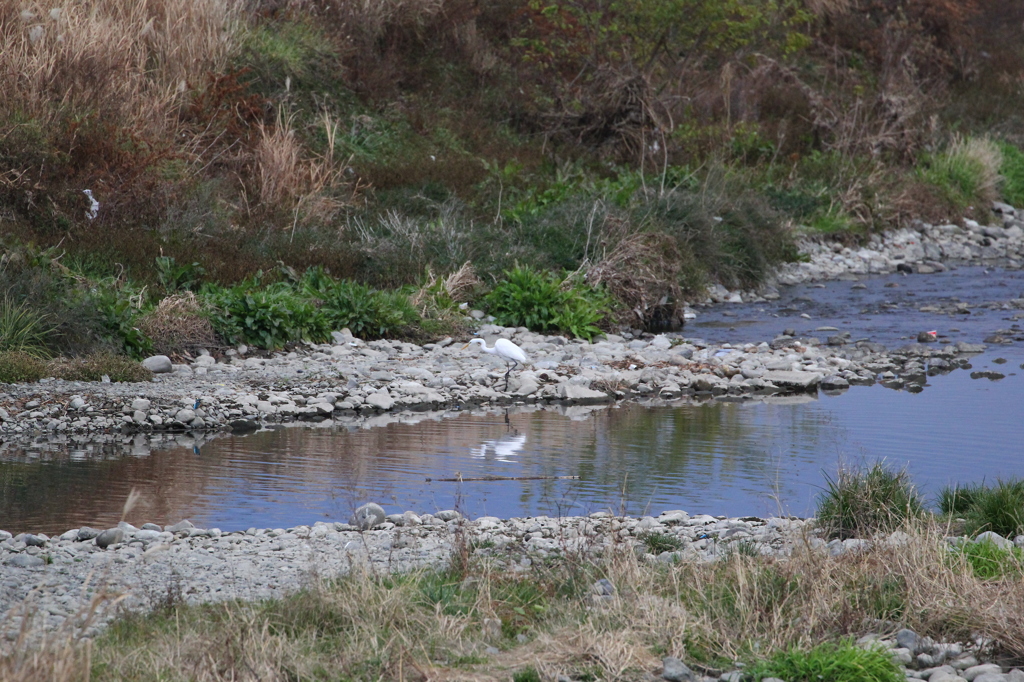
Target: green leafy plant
23	329
120	310
829	662
173	276
266	317
543	303
862	502
367	312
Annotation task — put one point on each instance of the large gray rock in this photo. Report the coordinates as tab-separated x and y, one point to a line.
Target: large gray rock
995	538
179	526
184	415
141	404
110	536
381	400
908	639
25	561
581	394
33	540
367	516
790	379
674	670
158	364
976	671
87	533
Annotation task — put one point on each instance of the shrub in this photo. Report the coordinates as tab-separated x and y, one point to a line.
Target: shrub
119	310
19	367
858	502
23	329
542	303
173	276
829	662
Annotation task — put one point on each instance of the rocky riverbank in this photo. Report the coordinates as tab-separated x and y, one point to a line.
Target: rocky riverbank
355	379
49	580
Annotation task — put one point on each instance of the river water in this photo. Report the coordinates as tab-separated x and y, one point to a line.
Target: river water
721	458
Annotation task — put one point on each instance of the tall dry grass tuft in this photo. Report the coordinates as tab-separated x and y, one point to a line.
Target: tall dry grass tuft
128	62
287	179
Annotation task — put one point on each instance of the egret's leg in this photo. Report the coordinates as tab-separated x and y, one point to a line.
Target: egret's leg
509	371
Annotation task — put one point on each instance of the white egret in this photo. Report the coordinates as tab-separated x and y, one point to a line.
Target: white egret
94	207
504	349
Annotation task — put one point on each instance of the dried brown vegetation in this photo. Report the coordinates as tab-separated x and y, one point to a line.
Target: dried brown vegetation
177	325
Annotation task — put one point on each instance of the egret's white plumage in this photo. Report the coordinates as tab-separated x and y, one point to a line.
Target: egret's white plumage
504	349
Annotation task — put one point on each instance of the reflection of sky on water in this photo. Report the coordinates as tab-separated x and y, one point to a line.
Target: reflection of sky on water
717	458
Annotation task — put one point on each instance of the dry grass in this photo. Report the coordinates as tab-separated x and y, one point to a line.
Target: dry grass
287	179
177	325
642	271
130	62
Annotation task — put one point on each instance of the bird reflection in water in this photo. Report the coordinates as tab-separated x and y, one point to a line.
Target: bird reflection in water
501	449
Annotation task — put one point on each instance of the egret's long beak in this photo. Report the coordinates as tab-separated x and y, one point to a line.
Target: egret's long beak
466	346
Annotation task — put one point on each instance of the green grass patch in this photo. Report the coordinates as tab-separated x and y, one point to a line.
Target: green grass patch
988	561
859	502
830	662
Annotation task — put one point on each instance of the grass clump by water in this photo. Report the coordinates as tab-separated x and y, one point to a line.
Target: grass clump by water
657	543
23	329
1012	171
998	508
966	173
859	502
829	662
